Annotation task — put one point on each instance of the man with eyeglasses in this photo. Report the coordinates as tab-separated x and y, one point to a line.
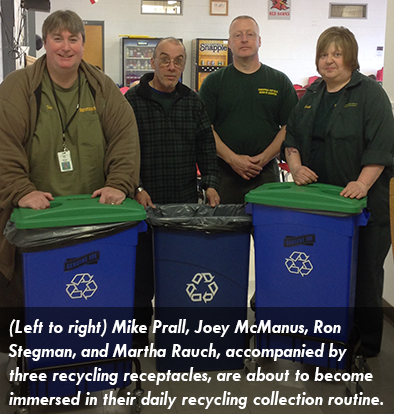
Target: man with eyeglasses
175	135
248	104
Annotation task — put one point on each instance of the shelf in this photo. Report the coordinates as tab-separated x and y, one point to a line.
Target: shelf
209	68
139	70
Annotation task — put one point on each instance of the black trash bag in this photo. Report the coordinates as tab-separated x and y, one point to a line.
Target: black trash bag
55	237
200	217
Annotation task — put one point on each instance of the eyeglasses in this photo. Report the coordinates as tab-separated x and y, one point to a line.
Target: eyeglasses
178	62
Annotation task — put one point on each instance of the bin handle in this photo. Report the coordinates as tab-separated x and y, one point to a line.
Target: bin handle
362	218
142	227
249	208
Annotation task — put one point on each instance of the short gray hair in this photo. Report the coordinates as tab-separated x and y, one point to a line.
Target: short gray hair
245	17
170	39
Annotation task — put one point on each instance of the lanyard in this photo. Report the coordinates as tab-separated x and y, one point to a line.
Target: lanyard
64	127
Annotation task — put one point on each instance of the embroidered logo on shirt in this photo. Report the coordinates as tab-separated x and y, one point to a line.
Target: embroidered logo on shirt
351	105
87	109
307	106
49	107
265	91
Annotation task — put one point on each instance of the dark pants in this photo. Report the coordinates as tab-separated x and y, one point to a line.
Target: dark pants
233	188
144	280
374	244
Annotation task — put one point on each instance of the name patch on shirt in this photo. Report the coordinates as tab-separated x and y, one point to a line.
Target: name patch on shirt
351	105
266	91
87	109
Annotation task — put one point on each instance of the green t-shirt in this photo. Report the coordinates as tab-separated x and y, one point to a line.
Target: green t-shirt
247	110
163	98
84	139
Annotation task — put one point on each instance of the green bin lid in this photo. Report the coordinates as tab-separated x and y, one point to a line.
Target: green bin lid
317	197
77	210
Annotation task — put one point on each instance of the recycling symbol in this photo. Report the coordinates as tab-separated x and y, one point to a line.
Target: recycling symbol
208	295
299	263
82	286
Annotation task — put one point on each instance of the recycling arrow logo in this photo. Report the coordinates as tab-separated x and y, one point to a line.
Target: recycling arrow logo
207	296
299	263
82	286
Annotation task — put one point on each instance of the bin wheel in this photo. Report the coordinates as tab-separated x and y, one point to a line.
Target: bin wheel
22	410
15	389
353	388
136	407
250	365
138	392
11	366
361	365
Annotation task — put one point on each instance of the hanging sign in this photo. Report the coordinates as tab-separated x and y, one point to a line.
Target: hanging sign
279	9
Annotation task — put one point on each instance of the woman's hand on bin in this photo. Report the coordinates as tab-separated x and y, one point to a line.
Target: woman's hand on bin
355	189
303	175
37	200
213	198
109	195
367	178
144	199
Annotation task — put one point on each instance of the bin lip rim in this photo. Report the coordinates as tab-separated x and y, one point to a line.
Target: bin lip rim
156	213
313	197
331	213
129	211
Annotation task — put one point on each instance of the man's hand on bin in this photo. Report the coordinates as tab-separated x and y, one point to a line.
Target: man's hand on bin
213	198
144	199
109	195
37	200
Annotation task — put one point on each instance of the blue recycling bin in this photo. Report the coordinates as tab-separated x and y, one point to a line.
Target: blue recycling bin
306	240
201	283
78	265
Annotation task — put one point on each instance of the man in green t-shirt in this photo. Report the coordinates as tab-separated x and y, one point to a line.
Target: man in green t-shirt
248	104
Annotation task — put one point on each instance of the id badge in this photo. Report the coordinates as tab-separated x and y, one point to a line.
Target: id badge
65	162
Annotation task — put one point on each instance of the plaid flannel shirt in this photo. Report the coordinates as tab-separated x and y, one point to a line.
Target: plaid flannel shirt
172	143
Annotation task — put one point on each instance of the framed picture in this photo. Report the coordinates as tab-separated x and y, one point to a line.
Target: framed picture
218	8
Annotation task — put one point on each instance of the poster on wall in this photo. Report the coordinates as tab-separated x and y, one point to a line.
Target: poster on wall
279	9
